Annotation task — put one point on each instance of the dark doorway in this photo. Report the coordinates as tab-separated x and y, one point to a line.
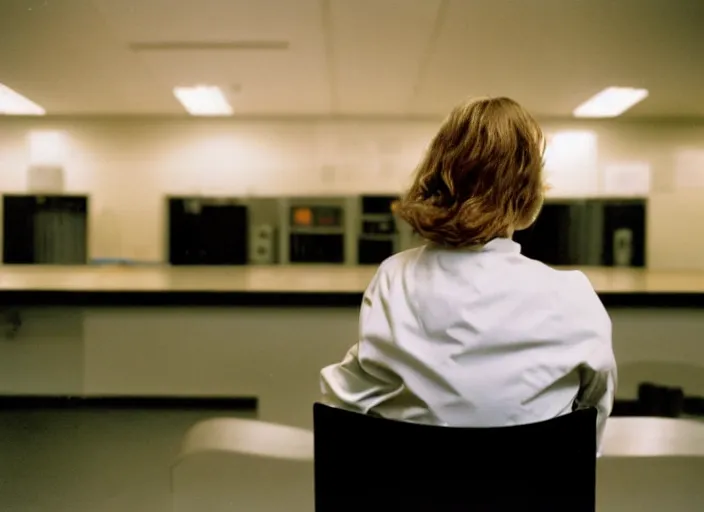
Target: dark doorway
207	232
45	229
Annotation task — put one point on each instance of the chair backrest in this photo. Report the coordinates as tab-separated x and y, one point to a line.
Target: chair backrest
369	463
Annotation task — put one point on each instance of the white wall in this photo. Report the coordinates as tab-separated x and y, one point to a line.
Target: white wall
128	166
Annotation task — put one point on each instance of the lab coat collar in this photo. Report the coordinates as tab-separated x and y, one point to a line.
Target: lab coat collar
505	245
502	245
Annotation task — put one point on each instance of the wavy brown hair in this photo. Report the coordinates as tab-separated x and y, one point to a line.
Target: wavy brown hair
481	177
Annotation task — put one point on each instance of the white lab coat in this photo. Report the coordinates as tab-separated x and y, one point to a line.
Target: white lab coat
476	337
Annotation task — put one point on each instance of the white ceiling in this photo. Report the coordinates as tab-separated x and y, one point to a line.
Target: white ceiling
353	57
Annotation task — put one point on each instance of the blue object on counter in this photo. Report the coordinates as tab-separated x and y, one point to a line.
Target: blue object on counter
123	261
111	261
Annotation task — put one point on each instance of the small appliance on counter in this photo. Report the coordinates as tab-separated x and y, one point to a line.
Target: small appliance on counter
378	237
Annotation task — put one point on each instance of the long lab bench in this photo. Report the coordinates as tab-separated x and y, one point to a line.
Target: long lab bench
259	335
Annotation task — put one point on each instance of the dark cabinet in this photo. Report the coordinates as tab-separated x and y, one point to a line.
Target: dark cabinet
317	231
599	232
624	236
378	238
317	248
374	251
551	238
207	232
45	229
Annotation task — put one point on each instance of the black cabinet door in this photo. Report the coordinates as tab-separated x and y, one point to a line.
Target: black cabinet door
208	234
18	229
224	235
377	204
548	239
628	216
373	252
184	226
317	248
45	229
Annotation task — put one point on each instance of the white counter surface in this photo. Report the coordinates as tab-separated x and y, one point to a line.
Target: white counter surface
298	279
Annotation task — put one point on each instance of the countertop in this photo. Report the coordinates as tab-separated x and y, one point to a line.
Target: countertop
305	283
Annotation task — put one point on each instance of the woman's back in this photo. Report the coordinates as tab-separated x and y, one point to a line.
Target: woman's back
477	338
466	331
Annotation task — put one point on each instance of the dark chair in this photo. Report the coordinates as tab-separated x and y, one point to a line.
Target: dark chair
366	463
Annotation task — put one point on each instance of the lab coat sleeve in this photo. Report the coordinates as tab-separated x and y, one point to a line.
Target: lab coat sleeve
598	372
362	381
598	387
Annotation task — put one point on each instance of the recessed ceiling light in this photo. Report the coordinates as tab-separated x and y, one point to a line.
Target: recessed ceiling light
203	100
611	102
13	103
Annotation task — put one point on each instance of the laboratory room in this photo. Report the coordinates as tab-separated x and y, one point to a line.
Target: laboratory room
196	195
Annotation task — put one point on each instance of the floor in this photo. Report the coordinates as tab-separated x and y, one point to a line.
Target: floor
90	461
121	461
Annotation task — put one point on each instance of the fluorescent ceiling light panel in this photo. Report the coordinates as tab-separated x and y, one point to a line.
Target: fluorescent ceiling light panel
13	103
611	102
203	100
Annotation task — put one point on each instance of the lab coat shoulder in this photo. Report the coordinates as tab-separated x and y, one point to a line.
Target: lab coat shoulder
578	317
390	269
581	303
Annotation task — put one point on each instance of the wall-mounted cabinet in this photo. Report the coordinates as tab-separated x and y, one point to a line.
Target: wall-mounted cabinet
45	230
